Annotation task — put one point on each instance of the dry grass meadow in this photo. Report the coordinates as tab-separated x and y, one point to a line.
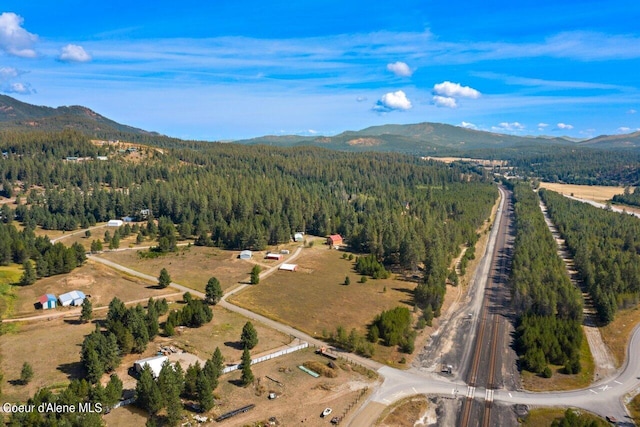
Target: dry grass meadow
190	266
597	193
617	334
52	348
315	300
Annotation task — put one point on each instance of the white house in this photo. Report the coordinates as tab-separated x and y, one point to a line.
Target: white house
154	362
115	223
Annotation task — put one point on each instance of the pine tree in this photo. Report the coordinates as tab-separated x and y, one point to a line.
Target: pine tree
204	392
249	337
113	390
164	279
213	291
148	393
26	374
247	375
87	310
29	275
255	275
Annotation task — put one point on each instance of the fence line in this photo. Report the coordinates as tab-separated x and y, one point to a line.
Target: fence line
267	357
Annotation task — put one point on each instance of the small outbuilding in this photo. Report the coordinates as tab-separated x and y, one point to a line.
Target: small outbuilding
48	301
246	255
73	298
275	256
155	363
298	237
288	267
115	223
334	240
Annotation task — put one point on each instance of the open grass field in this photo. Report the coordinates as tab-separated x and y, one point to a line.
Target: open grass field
9	275
315	300
597	193
93	279
560	381
616	335
51	347
192	266
543	417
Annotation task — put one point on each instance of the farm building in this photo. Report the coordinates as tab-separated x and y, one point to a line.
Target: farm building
246	255
271	255
74	298
115	223
103	158
128	219
334	240
155	363
298	237
47	301
288	267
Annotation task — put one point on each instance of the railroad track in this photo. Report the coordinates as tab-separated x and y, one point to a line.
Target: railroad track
491	323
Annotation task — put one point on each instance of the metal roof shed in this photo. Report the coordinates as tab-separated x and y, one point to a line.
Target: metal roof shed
246	255
155	363
47	301
72	298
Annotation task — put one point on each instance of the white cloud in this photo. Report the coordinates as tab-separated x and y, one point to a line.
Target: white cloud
468	125
7	73
393	101
624	129
445	101
510	127
21	88
74	53
455	90
14	39
564	126
361	98
542	126
400	69
632	111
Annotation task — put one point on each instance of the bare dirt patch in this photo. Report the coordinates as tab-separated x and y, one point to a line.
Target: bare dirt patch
597	193
409	412
301	398
52	348
94	279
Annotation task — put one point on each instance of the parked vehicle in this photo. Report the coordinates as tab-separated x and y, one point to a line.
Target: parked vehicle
326	412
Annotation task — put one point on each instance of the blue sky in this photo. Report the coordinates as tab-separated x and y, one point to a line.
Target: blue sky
237	69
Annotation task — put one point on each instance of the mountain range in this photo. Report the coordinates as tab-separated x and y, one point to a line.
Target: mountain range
420	139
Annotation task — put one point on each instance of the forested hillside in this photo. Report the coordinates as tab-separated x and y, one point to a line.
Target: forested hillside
401	209
549	307
629	197
605	246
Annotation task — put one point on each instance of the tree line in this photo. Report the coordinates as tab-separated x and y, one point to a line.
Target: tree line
605	247
549	307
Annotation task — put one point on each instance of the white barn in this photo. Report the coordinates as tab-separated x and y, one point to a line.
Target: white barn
288	267
74	298
154	362
115	223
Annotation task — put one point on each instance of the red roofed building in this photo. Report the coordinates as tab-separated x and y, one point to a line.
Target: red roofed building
334	240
